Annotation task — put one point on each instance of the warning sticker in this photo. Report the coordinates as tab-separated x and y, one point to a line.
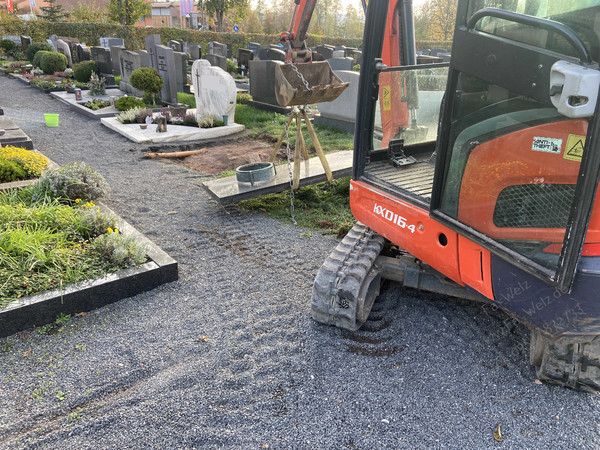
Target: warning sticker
386	98
574	147
546	144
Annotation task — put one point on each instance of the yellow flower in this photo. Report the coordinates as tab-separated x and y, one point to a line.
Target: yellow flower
116	231
110	230
77	200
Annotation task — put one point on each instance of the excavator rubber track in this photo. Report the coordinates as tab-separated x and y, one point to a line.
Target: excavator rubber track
348	282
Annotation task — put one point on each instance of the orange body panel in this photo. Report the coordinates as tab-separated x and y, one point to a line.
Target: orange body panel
394	112
509	160
407	226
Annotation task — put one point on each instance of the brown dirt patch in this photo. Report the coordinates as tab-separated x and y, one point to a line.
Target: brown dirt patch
228	155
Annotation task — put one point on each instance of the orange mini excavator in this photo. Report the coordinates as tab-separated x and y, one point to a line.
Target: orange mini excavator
478	178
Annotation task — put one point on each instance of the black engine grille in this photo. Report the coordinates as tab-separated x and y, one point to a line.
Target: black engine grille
534	206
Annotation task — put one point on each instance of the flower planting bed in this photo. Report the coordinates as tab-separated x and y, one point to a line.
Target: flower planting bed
43	308
22	250
69	99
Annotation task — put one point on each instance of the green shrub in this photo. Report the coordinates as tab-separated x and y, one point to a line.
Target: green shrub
231	66
147	79
74	181
36	47
53	62
126	103
123	251
38	57
7	45
243	99
356	68
11	171
83	71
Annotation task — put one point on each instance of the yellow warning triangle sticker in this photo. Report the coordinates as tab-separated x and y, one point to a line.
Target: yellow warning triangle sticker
574	147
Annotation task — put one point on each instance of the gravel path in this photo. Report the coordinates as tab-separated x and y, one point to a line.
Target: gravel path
228	357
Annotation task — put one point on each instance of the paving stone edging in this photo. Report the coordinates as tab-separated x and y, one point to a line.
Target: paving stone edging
40	309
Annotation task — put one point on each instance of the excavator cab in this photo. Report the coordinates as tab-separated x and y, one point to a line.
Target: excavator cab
483	171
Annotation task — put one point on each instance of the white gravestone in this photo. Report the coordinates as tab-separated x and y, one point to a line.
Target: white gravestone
214	89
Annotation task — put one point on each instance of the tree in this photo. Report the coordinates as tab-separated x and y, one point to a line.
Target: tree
87	13
54	12
441	15
218	8
128	12
352	23
252	24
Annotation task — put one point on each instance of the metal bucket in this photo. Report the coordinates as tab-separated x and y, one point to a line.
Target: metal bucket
324	84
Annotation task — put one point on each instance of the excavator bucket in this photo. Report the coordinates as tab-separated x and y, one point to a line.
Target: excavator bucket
324	85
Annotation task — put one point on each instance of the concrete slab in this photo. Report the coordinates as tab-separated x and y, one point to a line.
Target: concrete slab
229	190
174	133
17	138
69	99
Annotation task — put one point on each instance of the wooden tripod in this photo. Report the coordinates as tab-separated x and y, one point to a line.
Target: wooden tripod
299	114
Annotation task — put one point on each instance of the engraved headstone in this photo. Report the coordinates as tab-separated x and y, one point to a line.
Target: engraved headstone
129	61
25	42
216	48
214	90
101	56
341	63
195	51
151	42
244	56
271	54
144	60
262	81
165	60
181	71
83	53
115	56
217	61
52	43
254	47
175	46
108	42
325	50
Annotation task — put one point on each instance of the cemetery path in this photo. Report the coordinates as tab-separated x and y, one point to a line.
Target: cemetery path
228	357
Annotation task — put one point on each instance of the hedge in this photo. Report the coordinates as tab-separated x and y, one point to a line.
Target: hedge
134	37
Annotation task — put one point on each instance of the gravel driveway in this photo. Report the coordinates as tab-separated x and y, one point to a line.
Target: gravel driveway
228	357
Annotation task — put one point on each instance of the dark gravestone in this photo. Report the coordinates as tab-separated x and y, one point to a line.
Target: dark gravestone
165	59
254	47
325	50
216	61
129	61
175	46
271	54
244	56
83	53
181	71
151	42
101	57
195	51
216	48
144	60
341	63
229	51
262	81
108	42
115	56
72	42
25	42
